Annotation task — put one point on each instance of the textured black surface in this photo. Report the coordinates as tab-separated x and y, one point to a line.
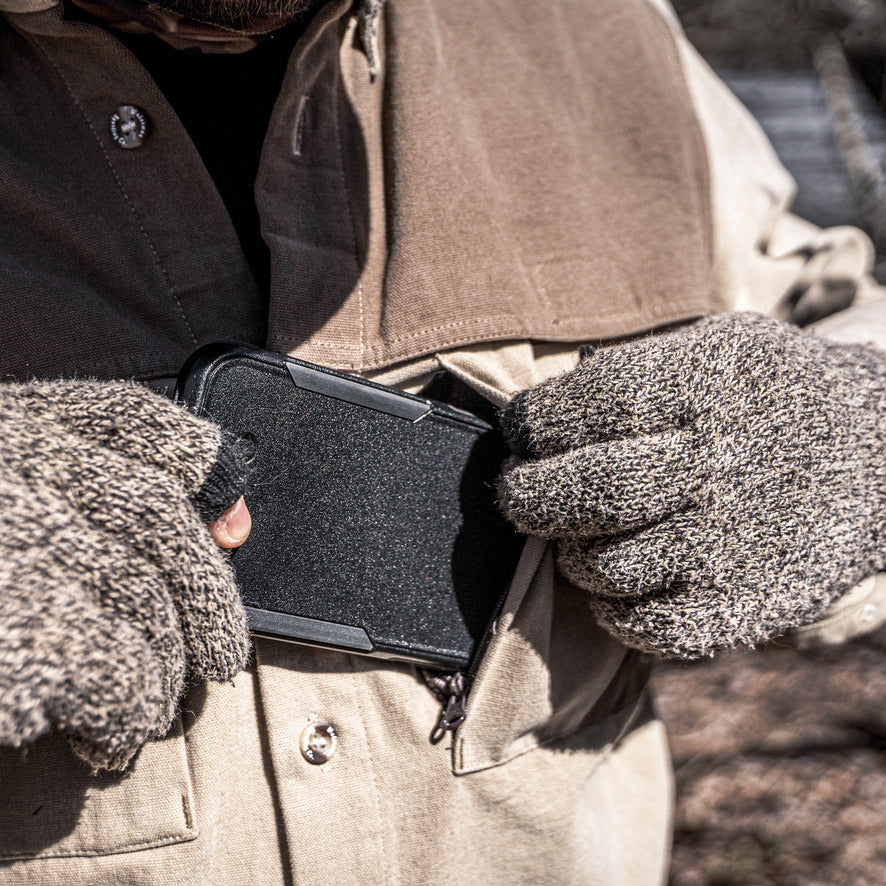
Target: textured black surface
365	518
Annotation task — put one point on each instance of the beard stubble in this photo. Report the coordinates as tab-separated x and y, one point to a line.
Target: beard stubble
237	15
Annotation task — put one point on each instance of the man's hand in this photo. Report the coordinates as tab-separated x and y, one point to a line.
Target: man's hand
711	487
232	528
112	590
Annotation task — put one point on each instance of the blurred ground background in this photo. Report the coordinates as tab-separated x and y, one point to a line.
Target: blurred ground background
780	760
780	756
814	74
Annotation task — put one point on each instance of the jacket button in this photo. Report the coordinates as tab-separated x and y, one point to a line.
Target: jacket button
129	126
318	742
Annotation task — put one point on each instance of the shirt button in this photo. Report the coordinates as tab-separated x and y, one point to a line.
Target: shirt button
318	742
129	126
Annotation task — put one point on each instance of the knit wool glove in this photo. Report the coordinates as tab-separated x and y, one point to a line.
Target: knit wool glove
712	487
112	591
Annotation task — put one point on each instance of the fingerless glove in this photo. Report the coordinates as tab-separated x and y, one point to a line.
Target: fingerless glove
112	591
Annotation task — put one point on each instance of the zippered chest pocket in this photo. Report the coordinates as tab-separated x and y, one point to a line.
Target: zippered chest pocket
548	671
51	806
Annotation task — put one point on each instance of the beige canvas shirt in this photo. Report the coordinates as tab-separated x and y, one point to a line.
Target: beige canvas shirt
560	774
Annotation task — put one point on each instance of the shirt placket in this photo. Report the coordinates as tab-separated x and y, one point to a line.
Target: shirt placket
195	268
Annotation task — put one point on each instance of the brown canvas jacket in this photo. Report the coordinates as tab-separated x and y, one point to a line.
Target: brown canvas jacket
565	200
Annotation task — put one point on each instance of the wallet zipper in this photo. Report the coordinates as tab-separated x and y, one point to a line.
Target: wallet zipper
452	690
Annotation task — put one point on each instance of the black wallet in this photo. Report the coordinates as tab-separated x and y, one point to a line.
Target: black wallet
375	527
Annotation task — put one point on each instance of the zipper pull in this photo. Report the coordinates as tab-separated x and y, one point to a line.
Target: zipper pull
451	690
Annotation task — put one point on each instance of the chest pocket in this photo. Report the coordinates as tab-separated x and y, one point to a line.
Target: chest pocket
550	672
52	807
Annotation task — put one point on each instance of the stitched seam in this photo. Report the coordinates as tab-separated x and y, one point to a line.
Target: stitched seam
601	753
564	324
362	337
339	346
347	201
186	809
689	306
177	837
454	325
379	830
135	214
478	321
473	322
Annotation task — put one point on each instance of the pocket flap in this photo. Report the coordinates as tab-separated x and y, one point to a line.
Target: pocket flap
549	671
52	807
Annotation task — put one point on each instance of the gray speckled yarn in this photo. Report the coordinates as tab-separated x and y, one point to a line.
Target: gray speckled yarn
112	591
711	487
